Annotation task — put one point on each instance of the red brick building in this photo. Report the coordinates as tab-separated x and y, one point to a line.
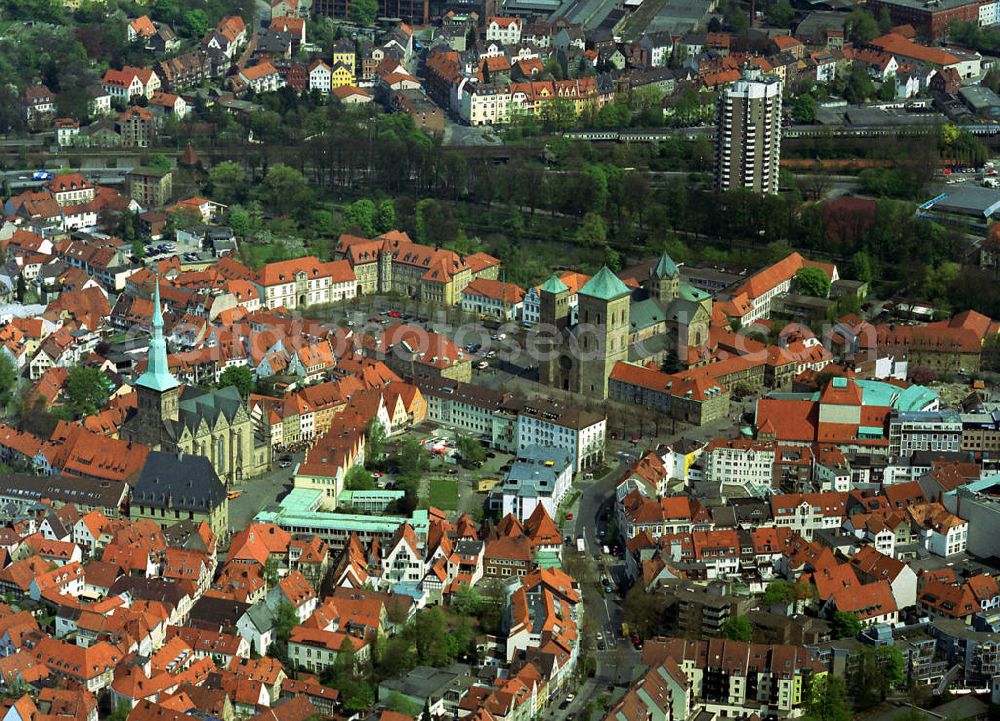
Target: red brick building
931	21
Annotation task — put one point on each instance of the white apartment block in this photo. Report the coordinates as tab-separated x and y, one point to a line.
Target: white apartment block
504	30
544	423
740	462
304	282
989	14
481	104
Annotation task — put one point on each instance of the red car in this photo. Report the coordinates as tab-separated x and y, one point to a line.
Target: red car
569	516
395	314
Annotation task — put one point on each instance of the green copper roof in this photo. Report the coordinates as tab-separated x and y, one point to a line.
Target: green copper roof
553	285
157	376
691	293
605	285
666	268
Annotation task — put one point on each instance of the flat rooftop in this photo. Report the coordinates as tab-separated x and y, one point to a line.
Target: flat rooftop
931	7
967	200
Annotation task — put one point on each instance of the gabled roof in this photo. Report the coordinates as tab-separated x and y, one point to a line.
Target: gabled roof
866	601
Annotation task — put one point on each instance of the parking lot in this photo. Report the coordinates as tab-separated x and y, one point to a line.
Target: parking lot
493	347
440	442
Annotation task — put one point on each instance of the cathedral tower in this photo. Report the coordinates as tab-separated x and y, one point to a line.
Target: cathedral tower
603	331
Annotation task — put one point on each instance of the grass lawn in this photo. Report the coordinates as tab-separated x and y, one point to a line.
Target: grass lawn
444	494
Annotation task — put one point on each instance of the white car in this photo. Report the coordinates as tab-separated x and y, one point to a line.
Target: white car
482	364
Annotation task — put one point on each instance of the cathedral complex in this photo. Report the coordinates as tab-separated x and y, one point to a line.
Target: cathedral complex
215	424
656	315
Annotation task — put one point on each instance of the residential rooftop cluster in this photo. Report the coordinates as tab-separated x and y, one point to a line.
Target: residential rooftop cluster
271	449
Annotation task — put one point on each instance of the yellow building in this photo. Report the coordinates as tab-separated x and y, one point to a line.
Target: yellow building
343	53
341	75
392	263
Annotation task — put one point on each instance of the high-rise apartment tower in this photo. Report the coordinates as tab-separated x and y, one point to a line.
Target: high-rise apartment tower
748	145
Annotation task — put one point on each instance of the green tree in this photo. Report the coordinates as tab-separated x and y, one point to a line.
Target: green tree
364	12
8	377
827	700
844	625
553	68
459	638
361	215
358	479
285	619
374	442
239	376
737	628
644	612
385	216
592	232
804	109
323	224
467	601
884	20
861	27
813	281
435	223
877	672
239	220
412	460
858	86
472	452
356	693
86	390
271	568
226	182
888	89
160	162
429	636
285	190
195	23
938	279
612	259
860	267
399	703
138	250
121	712
780	13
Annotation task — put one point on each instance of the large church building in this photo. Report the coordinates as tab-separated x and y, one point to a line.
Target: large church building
642	323
215	424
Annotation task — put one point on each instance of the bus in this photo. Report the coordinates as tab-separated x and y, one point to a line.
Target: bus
580	547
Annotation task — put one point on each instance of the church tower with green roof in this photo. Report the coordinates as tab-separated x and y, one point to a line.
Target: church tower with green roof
157	391
665	279
553	298
602	331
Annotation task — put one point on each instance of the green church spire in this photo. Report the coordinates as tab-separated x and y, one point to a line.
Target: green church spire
666	268
157	376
